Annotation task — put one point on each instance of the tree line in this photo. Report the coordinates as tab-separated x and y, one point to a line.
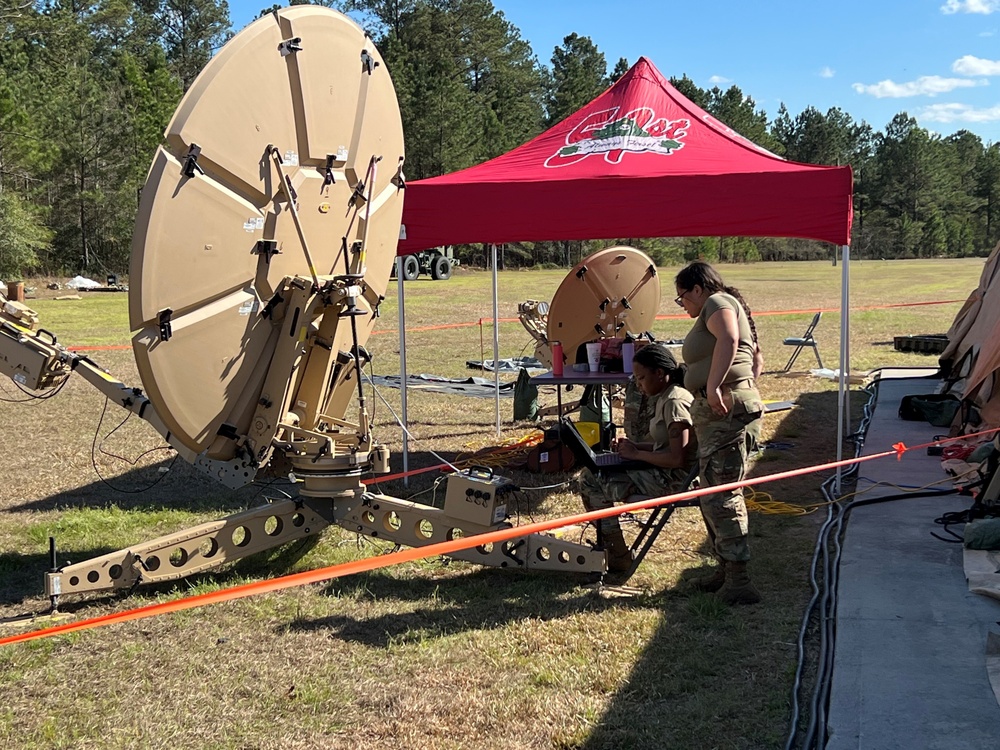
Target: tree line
87	89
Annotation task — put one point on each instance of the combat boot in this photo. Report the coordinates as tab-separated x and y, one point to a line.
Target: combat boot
709	582
620	557
738	589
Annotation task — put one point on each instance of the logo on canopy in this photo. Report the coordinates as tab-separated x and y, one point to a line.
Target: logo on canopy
612	136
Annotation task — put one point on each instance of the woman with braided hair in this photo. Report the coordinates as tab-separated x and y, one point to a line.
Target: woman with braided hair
669	451
723	361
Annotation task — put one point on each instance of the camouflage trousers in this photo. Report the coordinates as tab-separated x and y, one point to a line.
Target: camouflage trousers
606	490
723	445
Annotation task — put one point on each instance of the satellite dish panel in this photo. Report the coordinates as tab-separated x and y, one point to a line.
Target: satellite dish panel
215	236
607	294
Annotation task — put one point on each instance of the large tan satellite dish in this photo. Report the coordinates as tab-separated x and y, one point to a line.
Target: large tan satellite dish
607	294
277	163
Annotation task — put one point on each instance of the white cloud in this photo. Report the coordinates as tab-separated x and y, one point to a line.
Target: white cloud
827	72
991	32
984	7
718	80
949	113
975	66
923	86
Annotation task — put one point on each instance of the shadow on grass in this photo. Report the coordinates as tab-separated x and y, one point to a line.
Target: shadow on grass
485	599
174	484
170	484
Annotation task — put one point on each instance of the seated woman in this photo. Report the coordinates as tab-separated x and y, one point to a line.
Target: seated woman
671	452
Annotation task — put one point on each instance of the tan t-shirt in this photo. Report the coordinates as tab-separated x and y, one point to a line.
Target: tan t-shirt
672	406
699	344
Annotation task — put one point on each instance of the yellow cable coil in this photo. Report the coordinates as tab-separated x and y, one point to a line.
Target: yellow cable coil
495	456
762	502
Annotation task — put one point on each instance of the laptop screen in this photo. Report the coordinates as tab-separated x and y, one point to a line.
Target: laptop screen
584	453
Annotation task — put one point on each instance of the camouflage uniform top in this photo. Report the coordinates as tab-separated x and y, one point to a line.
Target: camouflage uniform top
699	344
639	410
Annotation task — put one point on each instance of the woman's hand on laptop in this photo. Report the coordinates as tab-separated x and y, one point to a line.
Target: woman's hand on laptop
627	449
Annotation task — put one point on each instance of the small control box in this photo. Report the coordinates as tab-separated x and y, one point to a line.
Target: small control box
477	495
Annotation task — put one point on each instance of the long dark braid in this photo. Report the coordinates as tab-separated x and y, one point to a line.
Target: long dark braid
700	273
731	290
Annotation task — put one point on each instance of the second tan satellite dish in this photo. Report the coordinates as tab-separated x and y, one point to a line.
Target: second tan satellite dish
606	295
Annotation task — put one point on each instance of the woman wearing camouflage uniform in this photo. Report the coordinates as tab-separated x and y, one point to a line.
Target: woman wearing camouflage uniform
723	361
666	444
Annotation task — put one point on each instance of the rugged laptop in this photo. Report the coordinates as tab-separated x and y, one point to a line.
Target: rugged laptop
603	461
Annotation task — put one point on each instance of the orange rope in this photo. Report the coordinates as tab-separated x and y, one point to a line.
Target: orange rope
762	313
481	321
107	348
439	548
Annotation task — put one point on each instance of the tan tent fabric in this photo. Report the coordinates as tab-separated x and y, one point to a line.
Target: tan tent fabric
961	325
971	360
981	384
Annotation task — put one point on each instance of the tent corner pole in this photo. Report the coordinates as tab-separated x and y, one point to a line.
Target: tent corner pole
402	368
496	336
843	407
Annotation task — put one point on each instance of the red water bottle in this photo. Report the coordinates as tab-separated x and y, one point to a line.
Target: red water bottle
557	358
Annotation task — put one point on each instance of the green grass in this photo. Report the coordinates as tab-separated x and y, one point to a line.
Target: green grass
86	528
427	654
93	320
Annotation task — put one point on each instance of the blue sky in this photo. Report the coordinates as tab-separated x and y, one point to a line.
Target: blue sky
937	60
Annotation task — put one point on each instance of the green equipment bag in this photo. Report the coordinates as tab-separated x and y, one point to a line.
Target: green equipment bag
937	408
525	397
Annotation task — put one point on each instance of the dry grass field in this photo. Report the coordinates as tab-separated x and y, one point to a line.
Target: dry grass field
430	655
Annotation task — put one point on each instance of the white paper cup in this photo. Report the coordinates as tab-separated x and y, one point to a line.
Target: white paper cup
594	356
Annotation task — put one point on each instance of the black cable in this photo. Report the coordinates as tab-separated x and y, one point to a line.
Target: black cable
819	554
977	511
948	519
519	497
113	431
371	377
34	396
266	485
94	449
800	642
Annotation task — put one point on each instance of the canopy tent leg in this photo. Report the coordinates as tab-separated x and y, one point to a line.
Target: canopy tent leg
402	367
846	368
496	337
843	402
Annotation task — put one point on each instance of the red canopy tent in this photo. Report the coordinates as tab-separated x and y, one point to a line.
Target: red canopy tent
638	161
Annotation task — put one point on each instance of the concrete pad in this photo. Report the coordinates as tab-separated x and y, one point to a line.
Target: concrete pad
910	669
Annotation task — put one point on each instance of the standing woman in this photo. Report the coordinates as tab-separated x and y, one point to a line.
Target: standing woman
723	360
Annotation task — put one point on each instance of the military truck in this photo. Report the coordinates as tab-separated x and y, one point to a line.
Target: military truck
437	262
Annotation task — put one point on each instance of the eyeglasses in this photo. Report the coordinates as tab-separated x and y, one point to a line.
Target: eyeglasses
679	299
